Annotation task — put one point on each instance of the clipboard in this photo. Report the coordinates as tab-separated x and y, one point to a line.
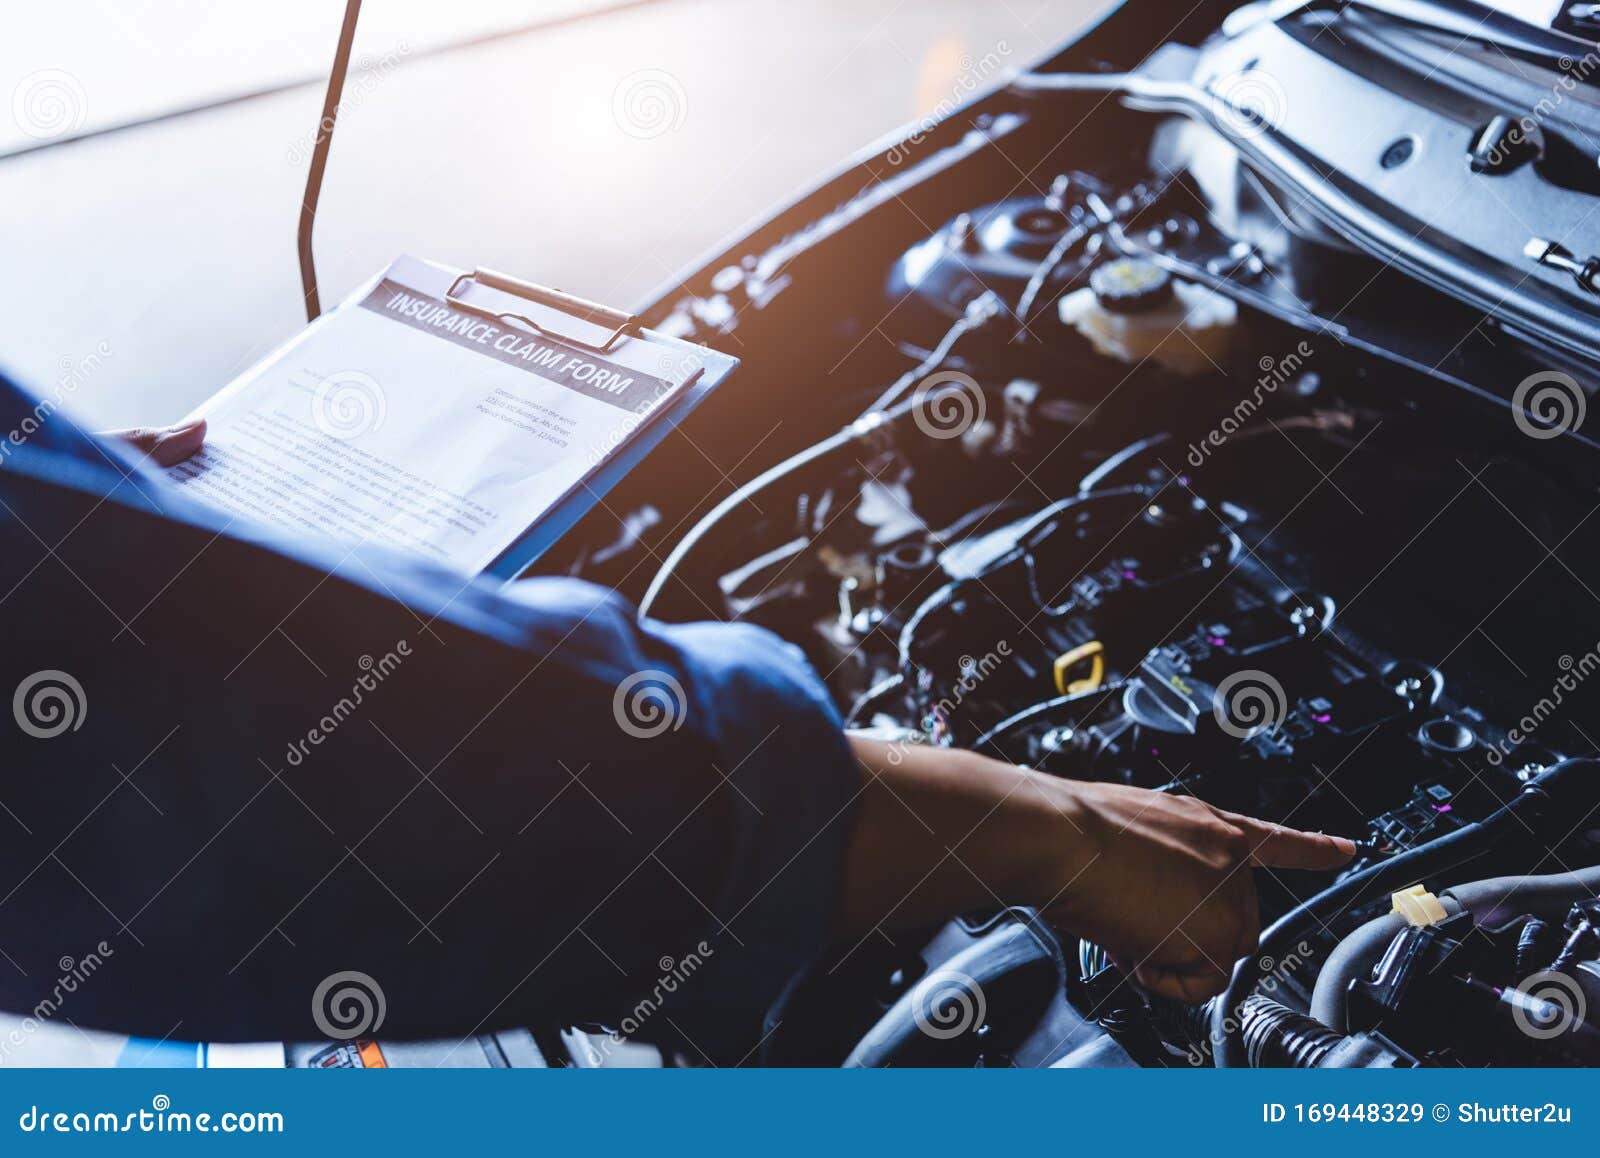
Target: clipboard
566	322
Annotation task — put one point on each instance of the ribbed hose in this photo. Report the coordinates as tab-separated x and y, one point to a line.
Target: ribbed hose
1277	1037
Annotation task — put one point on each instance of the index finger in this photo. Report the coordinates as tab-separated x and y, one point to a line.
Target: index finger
1278	846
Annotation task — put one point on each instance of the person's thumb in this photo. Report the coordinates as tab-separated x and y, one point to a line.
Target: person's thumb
165	445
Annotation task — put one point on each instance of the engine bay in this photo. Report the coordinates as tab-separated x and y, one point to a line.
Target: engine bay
1126	471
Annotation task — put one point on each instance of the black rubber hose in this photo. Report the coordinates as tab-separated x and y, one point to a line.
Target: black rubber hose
857	431
869	425
1005	979
1569	789
1494	902
1047	708
1022	538
869	699
1277	1037
1491	902
1530	946
1352	958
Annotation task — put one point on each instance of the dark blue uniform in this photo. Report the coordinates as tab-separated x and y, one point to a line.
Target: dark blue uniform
247	764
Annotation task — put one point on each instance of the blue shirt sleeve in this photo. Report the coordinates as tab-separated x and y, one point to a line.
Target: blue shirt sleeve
244	770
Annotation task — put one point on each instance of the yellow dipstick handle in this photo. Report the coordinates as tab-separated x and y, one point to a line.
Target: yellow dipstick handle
1094	651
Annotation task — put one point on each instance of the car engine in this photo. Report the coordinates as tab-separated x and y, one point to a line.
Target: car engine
1130	469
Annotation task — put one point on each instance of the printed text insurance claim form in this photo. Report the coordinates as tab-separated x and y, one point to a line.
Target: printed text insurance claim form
401	420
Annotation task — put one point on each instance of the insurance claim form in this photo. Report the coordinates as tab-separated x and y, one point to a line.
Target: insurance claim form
401	419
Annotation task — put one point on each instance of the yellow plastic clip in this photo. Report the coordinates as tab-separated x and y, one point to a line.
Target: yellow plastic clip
1094	651
1418	906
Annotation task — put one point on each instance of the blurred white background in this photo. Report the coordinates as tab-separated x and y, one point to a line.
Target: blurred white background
152	155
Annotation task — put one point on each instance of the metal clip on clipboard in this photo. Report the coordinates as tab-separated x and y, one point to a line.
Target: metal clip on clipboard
622	325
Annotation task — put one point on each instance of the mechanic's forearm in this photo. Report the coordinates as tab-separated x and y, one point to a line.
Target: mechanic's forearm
939	831
1161	881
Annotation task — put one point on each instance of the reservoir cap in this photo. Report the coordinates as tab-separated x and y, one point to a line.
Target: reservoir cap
1130	285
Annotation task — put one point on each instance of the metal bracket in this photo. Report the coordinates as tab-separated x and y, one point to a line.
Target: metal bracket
319	157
